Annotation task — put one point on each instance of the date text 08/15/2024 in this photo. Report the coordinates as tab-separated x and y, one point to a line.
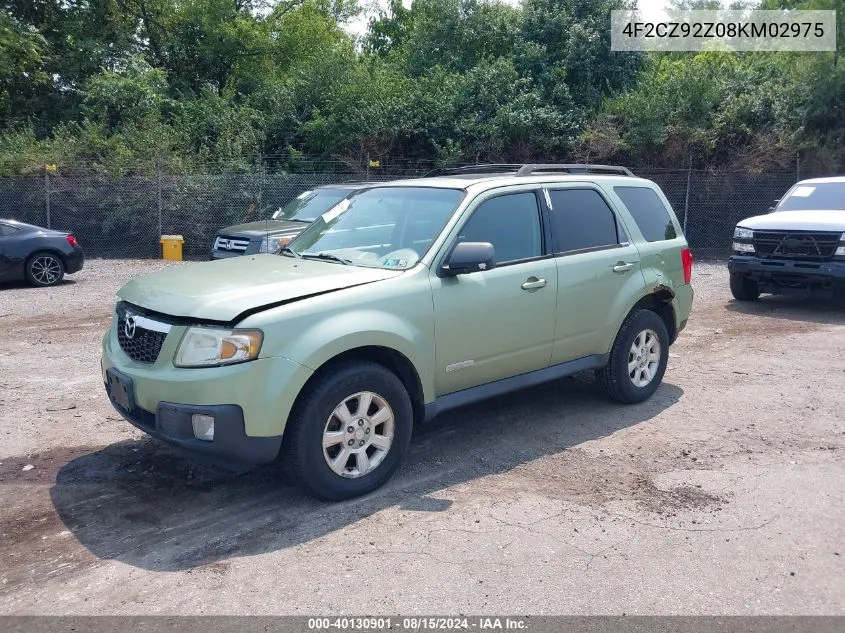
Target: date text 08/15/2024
417	623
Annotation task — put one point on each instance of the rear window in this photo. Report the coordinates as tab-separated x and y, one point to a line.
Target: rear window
308	206
816	196
649	212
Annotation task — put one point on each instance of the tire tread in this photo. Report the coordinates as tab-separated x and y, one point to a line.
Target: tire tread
344	376
609	376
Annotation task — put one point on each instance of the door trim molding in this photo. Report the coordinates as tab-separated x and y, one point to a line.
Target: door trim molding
514	383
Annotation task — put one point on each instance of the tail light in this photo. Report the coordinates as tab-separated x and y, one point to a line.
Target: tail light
686	260
72	241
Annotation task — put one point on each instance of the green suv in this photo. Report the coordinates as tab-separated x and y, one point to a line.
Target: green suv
403	300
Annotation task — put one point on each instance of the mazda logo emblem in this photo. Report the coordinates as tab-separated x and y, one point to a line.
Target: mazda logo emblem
129	327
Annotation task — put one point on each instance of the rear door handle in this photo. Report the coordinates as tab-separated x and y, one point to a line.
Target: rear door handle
623	267
532	283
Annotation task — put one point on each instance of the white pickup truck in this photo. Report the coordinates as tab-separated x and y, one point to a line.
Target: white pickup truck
797	248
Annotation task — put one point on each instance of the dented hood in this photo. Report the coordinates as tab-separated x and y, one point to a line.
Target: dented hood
223	289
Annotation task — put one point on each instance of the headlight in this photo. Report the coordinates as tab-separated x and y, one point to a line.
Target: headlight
269	245
740	247
209	347
743	233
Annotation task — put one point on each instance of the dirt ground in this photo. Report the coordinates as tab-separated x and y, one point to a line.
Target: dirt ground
721	495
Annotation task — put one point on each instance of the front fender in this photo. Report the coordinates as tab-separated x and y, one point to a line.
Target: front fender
346	331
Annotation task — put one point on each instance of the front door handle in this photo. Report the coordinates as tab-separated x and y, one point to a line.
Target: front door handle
532	283
623	267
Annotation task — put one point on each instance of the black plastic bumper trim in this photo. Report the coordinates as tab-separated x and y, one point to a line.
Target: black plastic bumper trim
171	423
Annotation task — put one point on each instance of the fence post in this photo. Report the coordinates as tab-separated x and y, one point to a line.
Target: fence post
158	195
368	167
47	194
797	166
686	200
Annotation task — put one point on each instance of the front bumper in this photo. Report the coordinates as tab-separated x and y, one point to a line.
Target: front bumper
171	423
784	276
251	400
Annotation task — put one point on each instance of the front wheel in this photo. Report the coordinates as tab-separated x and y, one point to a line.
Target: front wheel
743	288
349	432
45	269
638	358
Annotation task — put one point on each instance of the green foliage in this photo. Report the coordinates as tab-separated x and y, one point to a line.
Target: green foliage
22	61
118	86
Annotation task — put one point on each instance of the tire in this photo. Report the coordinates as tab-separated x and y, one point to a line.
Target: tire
44	269
647	329
315	415
743	288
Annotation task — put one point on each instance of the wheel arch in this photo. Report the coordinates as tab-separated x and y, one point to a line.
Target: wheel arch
391	359
51	250
658	300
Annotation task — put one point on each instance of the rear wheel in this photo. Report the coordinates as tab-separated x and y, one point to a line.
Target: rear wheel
44	269
743	288
349	433
637	359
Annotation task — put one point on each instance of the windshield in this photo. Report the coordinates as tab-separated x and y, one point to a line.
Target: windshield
310	204
815	197
384	227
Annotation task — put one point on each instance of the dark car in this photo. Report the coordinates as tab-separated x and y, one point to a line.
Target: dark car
267	236
41	256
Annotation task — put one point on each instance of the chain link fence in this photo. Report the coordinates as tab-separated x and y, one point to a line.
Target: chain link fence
124	217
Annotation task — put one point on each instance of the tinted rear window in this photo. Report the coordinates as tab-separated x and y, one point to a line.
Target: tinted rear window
581	219
816	196
649	212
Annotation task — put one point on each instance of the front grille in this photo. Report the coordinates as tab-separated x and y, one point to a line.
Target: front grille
801	245
231	244
138	340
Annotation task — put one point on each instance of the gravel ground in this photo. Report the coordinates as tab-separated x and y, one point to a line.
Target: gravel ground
721	495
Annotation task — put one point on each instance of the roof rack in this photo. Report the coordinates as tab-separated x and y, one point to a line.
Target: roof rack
529	169
489	168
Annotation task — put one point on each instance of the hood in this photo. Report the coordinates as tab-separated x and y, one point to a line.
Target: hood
265	227
824	220
223	289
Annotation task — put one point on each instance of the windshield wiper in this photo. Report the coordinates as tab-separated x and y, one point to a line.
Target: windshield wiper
327	256
288	249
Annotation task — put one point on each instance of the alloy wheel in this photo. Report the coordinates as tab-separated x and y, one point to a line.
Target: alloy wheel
644	358
46	270
358	434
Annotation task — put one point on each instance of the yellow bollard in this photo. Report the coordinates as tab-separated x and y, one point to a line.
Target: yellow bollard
171	247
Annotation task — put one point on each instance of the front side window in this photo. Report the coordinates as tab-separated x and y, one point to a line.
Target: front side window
817	196
648	212
581	219
382	227
310	204
511	223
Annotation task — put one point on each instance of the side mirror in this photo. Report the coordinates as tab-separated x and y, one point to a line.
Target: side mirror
771	209
470	257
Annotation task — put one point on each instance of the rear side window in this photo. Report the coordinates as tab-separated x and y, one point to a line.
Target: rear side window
649	212
511	223
5	229
581	219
